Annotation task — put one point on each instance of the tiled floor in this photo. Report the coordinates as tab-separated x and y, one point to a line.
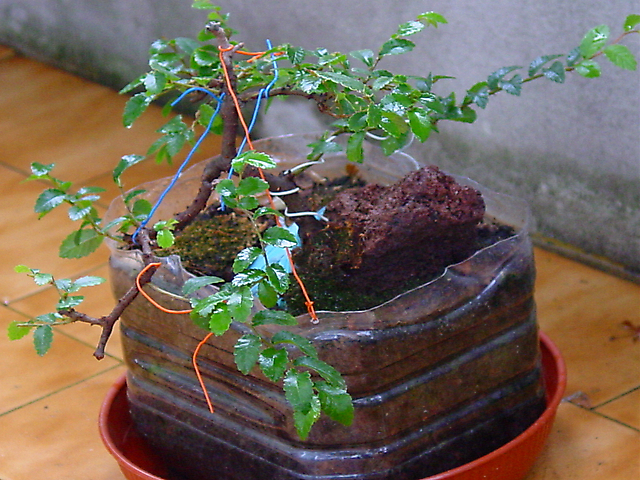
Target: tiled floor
49	406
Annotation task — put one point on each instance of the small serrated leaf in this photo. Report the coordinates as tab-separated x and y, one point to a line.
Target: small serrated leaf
555	72
594	40
420	124
88	281
588	69
194	284
279	237
165	238
621	56
304	421
273	317
396	46
246	352
303	344
336	403
365	56
125	162
631	22
15	331
355	152
80	244
326	371
220	321
42	338
48	200
273	363
134	107
342	79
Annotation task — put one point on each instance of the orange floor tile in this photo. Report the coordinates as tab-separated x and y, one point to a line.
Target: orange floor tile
49	406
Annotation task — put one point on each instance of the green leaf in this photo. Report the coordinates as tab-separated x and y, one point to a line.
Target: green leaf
336	403
420	124
303	344
432	18
573	57
594	40
304	421
273	317
251	186
279	237
82	210
344	80
245	258
296	55
621	56
141	208
326	371
154	82
240	303
278	277
165	238
365	56
409	28
248	278
512	86
80	244
134	107
42	338
273	363
479	94
393	124
226	188
267	295
220	321
196	283
396	46
493	81
537	64
15	331
631	22
124	163
322	147
41	170
246	352
253	158
69	302
22	269
48	200
298	390
555	72
41	279
355	152
88	281
589	69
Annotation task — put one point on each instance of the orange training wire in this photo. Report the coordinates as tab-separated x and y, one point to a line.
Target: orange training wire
197	350
194	360
151	300
308	302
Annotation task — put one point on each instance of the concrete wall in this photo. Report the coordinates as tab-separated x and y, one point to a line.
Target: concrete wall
572	150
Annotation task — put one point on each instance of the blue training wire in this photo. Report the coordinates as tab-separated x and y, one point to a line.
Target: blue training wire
186	160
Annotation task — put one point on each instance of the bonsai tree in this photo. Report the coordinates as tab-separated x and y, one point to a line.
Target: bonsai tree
221	81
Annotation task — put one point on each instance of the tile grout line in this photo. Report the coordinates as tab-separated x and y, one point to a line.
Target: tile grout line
617	397
606	417
71	385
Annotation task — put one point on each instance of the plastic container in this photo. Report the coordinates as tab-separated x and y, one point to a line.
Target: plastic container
441	375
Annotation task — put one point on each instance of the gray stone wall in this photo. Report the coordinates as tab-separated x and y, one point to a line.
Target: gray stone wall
573	150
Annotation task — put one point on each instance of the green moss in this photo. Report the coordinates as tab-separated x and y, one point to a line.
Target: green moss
209	245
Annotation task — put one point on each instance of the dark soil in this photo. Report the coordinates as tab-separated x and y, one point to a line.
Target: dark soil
379	240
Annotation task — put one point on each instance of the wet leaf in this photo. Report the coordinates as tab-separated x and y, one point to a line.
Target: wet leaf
246	352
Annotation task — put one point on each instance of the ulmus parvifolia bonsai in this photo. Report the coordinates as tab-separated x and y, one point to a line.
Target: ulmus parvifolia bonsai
221	79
